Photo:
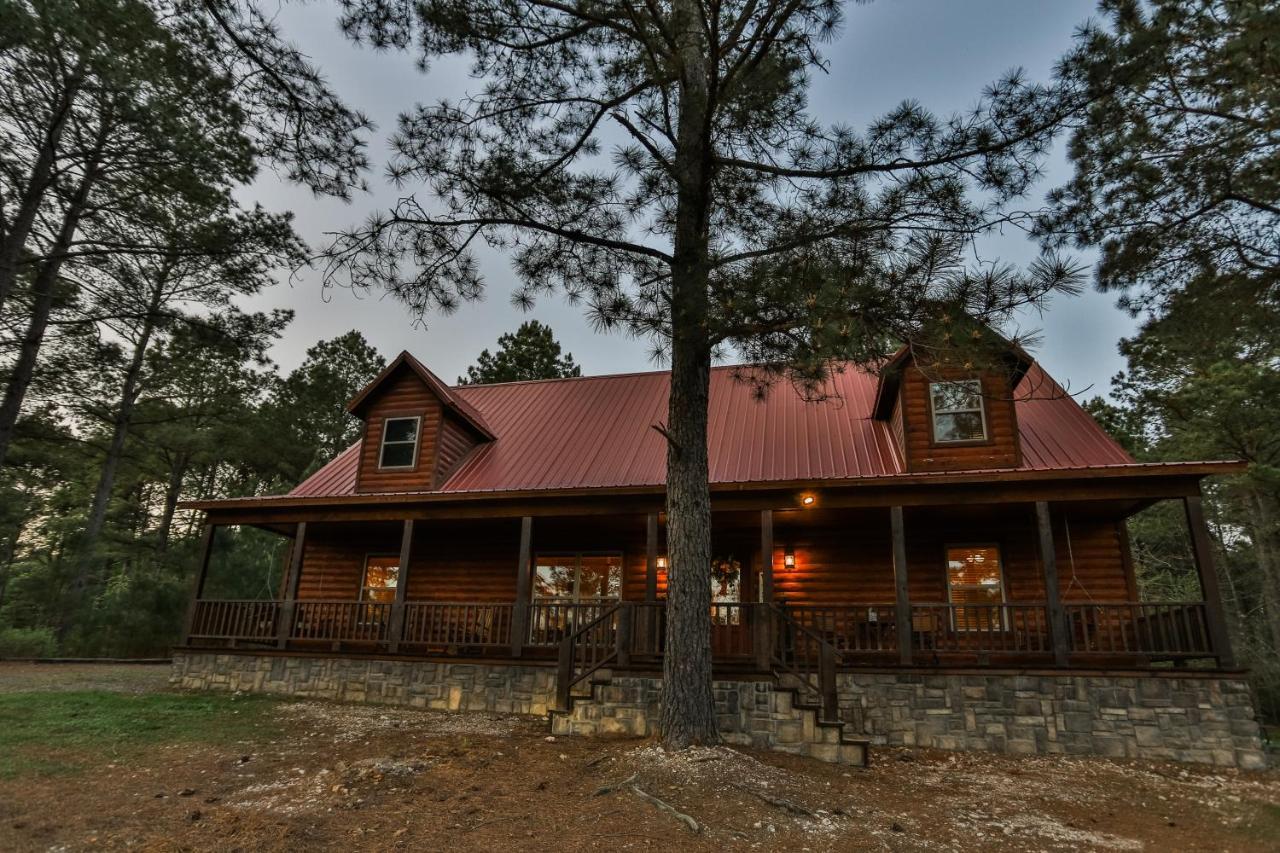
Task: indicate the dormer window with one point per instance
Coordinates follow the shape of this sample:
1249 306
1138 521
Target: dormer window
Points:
957 411
399 443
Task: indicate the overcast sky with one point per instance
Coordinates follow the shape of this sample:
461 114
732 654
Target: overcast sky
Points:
938 52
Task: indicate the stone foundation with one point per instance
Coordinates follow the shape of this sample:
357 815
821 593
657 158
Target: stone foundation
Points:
1205 719
1202 719
748 713
501 688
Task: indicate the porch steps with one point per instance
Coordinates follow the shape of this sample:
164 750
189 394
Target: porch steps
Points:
763 714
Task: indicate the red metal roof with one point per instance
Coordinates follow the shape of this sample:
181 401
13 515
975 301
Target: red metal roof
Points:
596 432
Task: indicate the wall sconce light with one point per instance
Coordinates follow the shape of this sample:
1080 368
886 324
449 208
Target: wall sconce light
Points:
808 500
662 562
789 558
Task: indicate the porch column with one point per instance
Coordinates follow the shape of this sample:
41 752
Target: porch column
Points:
1052 594
396 629
651 557
287 607
520 614
766 554
1202 549
901 592
197 583
764 627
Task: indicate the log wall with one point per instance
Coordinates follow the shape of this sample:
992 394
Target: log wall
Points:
841 557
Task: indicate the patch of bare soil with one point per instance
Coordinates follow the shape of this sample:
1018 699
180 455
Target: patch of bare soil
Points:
356 777
18 677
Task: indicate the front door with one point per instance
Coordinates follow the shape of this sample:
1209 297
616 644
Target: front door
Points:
730 619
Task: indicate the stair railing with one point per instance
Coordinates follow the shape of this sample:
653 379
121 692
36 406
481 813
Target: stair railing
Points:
589 649
804 654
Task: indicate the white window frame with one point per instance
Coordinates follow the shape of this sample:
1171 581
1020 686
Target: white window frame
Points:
382 445
981 410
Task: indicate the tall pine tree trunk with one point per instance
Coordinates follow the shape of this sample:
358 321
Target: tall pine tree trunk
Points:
687 713
172 491
88 545
1266 536
43 289
39 180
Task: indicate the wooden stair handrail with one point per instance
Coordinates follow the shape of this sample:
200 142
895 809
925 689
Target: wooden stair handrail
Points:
825 673
568 673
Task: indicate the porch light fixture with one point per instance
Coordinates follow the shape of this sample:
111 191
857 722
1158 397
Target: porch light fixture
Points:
789 558
808 500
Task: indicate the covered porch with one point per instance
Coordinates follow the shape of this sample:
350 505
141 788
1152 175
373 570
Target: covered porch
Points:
811 582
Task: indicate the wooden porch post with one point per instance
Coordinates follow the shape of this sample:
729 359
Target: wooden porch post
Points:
651 557
291 581
396 629
197 583
1052 593
902 595
1202 549
764 624
766 554
520 614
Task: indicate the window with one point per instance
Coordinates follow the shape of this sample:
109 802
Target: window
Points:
577 578
399 443
975 582
381 574
957 411
570 590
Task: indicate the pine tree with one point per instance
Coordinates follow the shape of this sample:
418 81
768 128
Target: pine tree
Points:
1177 160
726 218
531 352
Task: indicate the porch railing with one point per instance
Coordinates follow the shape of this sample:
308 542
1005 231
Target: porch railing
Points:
341 621
1173 630
1118 632
851 628
982 629
445 624
247 621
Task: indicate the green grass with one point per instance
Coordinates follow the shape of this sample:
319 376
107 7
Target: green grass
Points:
46 733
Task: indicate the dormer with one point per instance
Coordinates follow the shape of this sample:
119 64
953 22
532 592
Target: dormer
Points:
416 429
952 412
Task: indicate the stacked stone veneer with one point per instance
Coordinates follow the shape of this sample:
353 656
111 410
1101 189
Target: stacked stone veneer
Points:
1203 719
749 713
1206 719
509 689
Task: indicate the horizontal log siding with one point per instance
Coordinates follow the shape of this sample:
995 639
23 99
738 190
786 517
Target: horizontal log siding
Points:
403 395
838 563
333 562
999 451
468 561
854 564
454 443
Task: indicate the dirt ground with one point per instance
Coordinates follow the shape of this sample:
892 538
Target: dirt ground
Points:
343 777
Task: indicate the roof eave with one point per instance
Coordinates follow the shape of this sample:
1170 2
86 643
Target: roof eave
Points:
1139 470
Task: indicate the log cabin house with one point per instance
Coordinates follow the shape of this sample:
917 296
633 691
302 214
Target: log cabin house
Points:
927 556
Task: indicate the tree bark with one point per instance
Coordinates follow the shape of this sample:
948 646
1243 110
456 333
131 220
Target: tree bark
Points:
121 419
687 713
43 290
39 180
172 491
88 546
1265 535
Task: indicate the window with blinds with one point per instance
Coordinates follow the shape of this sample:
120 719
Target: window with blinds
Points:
975 583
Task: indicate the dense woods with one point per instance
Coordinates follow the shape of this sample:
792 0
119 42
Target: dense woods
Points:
132 379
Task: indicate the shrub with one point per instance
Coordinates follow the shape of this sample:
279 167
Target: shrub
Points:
27 643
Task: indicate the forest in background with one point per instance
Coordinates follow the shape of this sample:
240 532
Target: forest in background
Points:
131 380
